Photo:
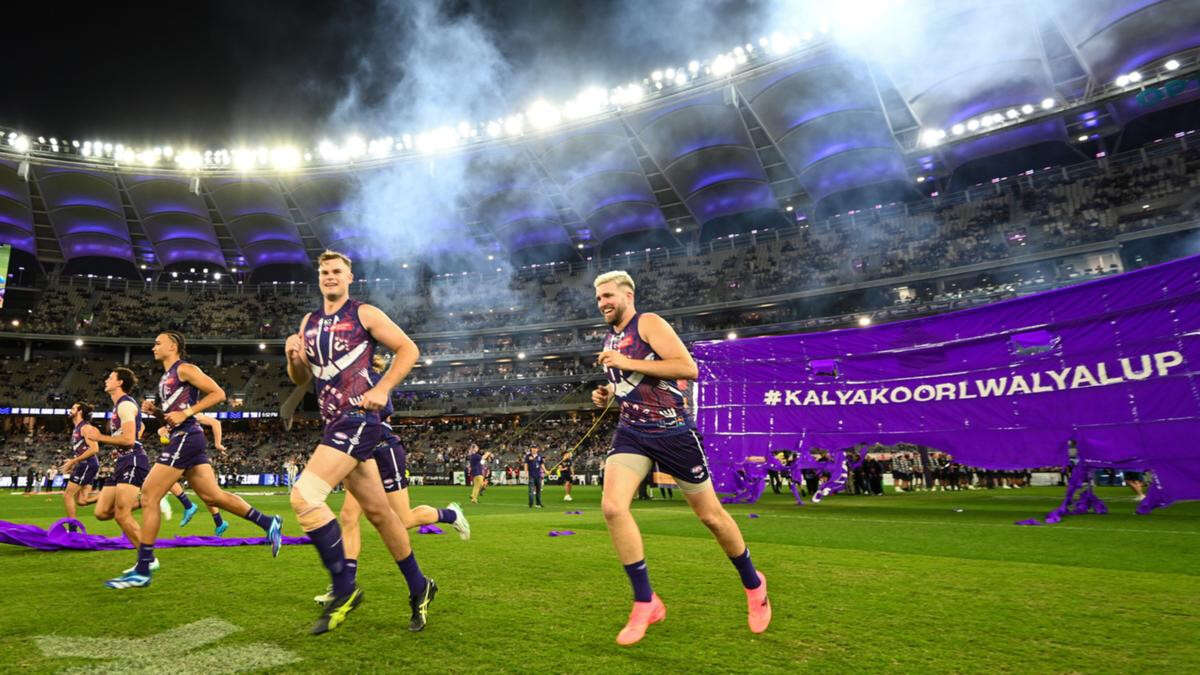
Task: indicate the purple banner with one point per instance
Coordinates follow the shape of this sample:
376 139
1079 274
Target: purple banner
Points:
1113 364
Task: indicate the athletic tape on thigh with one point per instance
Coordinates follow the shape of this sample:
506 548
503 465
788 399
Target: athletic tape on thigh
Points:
639 464
692 488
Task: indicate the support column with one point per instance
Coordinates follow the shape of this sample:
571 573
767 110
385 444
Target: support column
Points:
126 354
28 346
219 352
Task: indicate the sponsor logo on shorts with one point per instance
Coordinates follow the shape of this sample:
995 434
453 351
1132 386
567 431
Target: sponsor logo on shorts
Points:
340 436
698 470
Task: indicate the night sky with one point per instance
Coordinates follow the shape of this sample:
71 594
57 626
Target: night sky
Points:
218 73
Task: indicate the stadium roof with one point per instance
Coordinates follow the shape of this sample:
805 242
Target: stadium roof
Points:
822 123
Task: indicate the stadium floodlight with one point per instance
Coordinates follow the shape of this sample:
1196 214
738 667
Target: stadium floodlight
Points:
494 129
78 342
217 276
864 321
669 73
678 230
763 42
1171 65
681 79
958 129
262 346
20 143
42 140
1027 109
514 125
355 146
1047 103
986 120
542 115
1122 81
285 158
731 335
428 362
108 147
930 137
53 141
16 322
722 65
329 151
1135 76
579 246
243 159
74 144
1082 138
790 208
656 76
521 355
694 67
167 152
1012 114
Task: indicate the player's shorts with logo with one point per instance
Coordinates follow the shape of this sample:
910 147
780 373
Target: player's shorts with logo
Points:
392 461
131 469
355 433
679 454
84 473
185 448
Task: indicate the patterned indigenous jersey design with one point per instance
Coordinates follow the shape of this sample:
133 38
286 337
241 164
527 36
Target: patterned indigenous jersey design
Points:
78 444
175 395
648 404
114 427
339 353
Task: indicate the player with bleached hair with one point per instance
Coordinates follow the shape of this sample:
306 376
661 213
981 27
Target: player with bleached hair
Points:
648 370
333 350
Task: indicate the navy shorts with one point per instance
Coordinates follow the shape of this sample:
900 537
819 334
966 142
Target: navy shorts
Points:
356 433
185 448
565 477
679 454
131 469
85 472
392 461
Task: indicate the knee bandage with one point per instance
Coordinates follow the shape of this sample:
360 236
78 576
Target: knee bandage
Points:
308 499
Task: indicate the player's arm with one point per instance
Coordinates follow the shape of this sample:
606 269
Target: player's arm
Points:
211 394
214 424
603 394
297 363
93 449
674 362
387 333
127 412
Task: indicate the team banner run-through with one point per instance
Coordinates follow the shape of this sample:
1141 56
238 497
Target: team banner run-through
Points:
1113 364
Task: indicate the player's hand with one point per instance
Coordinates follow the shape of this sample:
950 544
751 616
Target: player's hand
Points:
220 447
294 348
66 466
601 396
148 406
175 418
375 398
90 433
611 358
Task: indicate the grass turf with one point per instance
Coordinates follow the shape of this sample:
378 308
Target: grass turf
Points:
902 582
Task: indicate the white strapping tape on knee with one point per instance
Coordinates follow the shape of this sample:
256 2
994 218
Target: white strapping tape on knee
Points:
313 490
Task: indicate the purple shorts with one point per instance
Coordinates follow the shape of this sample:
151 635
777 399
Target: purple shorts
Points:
679 454
85 472
131 469
185 448
392 461
355 433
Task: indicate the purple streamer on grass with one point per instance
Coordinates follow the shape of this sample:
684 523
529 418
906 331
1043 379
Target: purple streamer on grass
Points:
561 533
57 538
429 529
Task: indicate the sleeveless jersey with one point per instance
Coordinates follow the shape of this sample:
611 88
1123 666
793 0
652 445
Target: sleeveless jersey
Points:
79 445
114 427
648 404
175 395
339 353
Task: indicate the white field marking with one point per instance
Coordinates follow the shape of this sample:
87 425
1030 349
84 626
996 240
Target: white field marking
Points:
169 651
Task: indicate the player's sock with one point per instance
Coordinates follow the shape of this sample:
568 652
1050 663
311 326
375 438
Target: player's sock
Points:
256 517
639 577
328 540
72 527
446 516
352 569
412 575
217 519
144 558
746 569
183 499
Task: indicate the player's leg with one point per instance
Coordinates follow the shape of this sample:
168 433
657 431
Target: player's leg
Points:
189 508
106 503
623 473
567 489
538 490
70 499
327 467
158 482
124 500
476 486
349 518
367 487
204 481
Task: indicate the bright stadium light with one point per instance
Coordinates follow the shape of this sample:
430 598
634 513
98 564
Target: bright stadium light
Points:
722 65
1082 138
21 143
678 230
355 146
681 79
243 159
931 137
1122 81
1047 103
864 321
656 76
521 355
1027 109
189 159
78 342
262 346
330 152
1135 76
958 129
1171 65
217 276
694 67
494 129
542 115
731 335
428 362
1012 114
514 125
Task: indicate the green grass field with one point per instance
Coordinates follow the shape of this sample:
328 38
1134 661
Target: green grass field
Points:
902 582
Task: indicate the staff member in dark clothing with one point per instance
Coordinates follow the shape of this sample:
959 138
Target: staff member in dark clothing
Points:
535 464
